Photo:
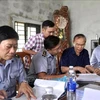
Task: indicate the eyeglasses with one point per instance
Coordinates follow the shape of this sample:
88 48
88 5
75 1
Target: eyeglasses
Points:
82 45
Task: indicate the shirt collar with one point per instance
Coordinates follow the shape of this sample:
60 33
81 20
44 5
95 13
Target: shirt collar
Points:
48 55
9 61
73 51
41 35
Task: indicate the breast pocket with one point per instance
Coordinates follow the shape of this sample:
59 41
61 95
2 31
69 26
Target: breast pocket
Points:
13 78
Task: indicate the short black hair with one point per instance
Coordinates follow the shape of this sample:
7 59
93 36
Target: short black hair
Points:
51 42
7 32
79 36
47 23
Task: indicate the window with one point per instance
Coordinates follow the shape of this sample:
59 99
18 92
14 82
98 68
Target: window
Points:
25 30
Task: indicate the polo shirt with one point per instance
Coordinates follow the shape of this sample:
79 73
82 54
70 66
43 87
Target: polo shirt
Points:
69 58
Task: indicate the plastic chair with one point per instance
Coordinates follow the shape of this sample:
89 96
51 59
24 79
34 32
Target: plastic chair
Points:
23 55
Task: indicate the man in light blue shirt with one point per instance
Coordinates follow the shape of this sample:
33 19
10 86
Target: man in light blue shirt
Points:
95 58
44 62
11 67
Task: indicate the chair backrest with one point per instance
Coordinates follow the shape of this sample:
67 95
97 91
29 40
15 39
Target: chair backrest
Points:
23 55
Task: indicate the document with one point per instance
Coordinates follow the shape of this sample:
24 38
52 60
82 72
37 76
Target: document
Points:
91 94
88 77
59 85
40 88
80 91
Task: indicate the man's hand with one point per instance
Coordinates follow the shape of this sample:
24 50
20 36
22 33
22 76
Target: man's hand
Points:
27 90
93 70
97 71
3 95
90 68
82 70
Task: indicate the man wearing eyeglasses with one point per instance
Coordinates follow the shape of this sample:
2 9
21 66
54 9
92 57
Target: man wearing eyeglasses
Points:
76 56
43 64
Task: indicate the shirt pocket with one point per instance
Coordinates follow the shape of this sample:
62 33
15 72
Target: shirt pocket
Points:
14 78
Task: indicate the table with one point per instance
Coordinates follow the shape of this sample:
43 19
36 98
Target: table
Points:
39 92
81 84
62 97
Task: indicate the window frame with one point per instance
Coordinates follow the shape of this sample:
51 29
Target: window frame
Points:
26 21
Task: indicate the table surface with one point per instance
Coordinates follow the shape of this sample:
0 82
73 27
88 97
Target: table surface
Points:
63 96
81 83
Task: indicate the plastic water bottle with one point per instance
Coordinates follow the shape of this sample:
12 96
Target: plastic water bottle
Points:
71 84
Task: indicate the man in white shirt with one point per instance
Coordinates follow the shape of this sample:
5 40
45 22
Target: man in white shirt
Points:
95 58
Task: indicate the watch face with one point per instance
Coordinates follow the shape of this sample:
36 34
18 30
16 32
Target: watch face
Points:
61 22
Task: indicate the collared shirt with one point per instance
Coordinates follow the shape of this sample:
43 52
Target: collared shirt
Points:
42 62
95 58
69 58
35 43
10 73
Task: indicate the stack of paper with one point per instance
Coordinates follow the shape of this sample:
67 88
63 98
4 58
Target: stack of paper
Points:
58 86
91 94
39 88
88 77
85 91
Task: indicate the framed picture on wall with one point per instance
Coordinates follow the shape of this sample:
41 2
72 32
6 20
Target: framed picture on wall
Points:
94 44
